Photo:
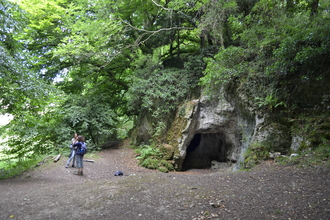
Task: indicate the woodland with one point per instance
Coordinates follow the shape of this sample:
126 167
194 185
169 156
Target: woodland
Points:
96 66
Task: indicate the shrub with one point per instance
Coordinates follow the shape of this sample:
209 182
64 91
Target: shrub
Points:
256 153
150 157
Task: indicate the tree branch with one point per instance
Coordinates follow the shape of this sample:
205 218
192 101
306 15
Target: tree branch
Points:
167 9
152 33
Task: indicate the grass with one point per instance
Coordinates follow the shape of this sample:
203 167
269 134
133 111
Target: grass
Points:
5 160
306 159
14 167
11 166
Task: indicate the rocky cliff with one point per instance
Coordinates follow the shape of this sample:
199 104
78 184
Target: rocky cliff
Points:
218 132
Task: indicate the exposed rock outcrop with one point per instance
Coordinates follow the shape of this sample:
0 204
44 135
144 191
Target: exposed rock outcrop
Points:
212 132
217 130
206 130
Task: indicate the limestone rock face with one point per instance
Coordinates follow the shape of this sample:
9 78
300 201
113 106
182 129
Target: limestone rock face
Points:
275 136
212 133
221 130
143 132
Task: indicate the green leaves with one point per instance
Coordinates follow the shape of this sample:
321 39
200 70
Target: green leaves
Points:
37 130
146 151
270 101
276 51
43 32
226 65
19 88
150 54
159 90
91 117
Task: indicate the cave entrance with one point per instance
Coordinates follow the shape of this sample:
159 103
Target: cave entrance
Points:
204 148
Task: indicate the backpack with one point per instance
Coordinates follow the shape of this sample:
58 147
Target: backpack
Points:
119 173
82 150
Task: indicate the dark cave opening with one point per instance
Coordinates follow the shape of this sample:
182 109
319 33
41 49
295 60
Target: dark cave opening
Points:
203 149
194 143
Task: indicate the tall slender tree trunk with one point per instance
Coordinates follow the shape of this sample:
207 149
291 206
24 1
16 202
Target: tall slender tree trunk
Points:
289 6
314 7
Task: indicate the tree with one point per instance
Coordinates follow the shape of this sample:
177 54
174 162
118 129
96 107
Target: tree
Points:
23 93
213 24
281 53
18 84
10 54
44 32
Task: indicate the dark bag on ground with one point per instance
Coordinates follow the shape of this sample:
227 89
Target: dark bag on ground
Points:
119 173
81 150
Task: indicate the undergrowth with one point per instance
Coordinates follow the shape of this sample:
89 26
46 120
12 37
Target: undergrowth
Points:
313 150
151 157
10 168
256 153
315 147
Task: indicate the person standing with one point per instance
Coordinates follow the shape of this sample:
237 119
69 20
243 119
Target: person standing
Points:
80 146
72 153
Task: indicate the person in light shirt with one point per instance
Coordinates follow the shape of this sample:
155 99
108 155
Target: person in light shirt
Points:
72 153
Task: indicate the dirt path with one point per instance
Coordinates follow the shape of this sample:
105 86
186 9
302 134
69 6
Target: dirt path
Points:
51 191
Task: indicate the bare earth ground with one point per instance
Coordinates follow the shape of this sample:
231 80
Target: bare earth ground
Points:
268 191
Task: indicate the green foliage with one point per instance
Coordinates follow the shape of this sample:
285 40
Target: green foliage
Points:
322 152
228 64
165 166
270 101
151 157
12 21
36 131
255 154
43 33
275 52
299 49
81 50
12 168
150 163
214 21
86 44
146 151
124 125
119 59
158 90
314 148
308 158
92 118
35 128
17 84
315 130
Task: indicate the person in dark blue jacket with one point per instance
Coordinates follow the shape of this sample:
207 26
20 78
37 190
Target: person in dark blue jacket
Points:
80 157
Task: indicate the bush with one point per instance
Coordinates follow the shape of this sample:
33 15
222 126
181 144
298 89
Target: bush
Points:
146 151
256 153
150 157
14 167
151 163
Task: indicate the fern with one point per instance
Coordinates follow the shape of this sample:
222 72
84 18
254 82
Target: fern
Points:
147 151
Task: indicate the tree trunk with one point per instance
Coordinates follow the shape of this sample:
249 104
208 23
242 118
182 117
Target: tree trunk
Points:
289 6
315 6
